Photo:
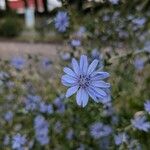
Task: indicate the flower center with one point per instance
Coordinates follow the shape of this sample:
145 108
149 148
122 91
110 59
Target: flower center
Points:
83 81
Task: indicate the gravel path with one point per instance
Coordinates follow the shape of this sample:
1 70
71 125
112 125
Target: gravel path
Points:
10 49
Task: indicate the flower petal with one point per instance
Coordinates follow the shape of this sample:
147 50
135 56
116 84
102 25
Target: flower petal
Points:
92 66
75 66
92 95
65 83
82 97
100 92
71 91
69 72
100 84
68 79
99 75
83 64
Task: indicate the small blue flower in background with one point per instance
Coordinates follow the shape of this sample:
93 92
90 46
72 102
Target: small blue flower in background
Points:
3 75
61 21
41 127
70 134
81 31
43 107
147 106
32 102
59 104
75 43
140 123
9 116
121 138
18 62
50 109
58 127
65 56
147 46
108 109
46 63
98 130
18 141
97 55
114 1
81 147
86 81
46 108
104 143
6 140
139 21
139 63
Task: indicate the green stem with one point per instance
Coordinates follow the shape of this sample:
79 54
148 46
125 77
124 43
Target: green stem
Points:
125 55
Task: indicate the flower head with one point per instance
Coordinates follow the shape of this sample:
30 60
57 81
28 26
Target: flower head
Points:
140 123
147 106
86 81
46 63
81 31
114 1
46 108
59 104
75 43
61 21
98 130
121 138
8 116
139 21
18 62
139 63
70 134
41 130
32 102
58 127
18 141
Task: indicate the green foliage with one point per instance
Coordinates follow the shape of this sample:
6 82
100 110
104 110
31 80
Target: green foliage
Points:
10 27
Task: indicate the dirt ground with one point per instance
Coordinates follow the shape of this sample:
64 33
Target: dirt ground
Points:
10 49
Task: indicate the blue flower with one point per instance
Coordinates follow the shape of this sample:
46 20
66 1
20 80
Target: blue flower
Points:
121 138
70 134
58 102
147 106
8 116
58 127
43 107
139 63
50 109
18 141
140 123
32 102
75 43
81 31
46 63
41 130
84 80
18 62
46 108
139 21
147 46
65 56
98 130
61 21
114 1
